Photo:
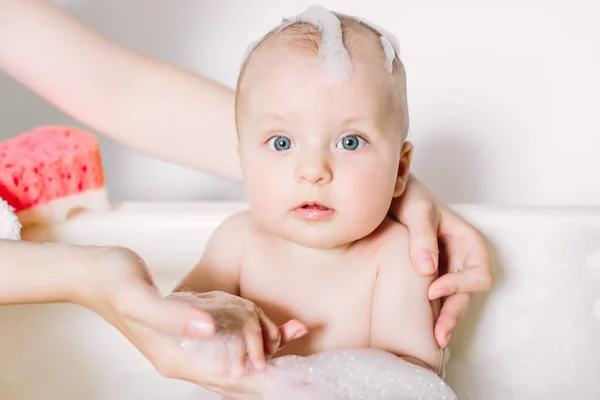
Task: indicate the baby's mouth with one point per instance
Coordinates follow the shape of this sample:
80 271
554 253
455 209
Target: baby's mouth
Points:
312 206
311 211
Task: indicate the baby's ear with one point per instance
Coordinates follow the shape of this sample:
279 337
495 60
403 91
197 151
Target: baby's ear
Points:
403 168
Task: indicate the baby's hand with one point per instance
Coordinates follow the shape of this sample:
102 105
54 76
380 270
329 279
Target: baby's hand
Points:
244 336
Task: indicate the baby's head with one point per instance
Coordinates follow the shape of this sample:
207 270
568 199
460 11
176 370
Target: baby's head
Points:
322 138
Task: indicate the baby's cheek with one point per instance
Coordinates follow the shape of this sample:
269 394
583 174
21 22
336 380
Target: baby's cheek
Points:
267 191
369 188
364 199
260 179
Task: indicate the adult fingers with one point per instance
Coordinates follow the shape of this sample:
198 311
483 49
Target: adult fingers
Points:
468 280
422 220
453 309
466 247
236 349
144 304
254 343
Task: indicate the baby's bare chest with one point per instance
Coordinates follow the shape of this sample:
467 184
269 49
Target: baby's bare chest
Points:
333 299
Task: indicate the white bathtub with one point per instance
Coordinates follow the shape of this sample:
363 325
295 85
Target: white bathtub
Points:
535 336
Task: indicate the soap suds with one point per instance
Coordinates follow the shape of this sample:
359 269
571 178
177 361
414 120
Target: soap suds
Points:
10 227
383 32
353 374
390 54
331 49
391 46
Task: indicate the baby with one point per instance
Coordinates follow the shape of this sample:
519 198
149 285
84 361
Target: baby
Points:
322 121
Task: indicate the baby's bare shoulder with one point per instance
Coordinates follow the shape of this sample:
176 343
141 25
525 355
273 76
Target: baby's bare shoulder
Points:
219 266
240 219
237 225
390 241
391 244
230 237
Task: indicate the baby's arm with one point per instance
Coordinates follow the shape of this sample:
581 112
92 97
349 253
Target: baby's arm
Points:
140 102
220 264
214 284
403 317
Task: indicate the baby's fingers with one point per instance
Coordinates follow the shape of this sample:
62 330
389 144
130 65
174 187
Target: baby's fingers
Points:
271 336
253 335
291 330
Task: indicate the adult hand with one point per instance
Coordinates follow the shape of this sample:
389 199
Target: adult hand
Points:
245 337
464 253
120 289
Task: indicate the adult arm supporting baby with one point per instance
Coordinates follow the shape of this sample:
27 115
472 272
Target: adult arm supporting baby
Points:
111 281
465 249
36 273
114 283
142 103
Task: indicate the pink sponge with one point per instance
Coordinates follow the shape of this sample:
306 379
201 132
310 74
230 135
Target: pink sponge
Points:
50 171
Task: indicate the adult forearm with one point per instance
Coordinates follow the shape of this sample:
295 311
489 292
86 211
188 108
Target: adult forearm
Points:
43 273
142 103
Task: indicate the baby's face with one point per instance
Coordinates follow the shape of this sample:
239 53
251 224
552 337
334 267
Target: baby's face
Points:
321 160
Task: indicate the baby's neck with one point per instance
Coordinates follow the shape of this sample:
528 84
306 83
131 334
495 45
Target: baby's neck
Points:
299 251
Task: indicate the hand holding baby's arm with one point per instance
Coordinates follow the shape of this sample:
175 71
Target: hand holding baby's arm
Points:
465 249
243 333
402 316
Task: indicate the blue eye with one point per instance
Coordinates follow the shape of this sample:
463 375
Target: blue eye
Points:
351 142
280 143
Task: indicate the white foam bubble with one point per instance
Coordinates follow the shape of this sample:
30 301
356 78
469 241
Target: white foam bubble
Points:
391 46
331 49
389 52
353 374
383 32
10 227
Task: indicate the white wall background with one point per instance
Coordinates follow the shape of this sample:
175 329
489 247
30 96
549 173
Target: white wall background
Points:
503 96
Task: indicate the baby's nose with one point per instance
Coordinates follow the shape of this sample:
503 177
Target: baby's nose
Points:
314 171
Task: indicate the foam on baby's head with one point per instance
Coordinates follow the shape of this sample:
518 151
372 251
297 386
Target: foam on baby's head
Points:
340 41
331 47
